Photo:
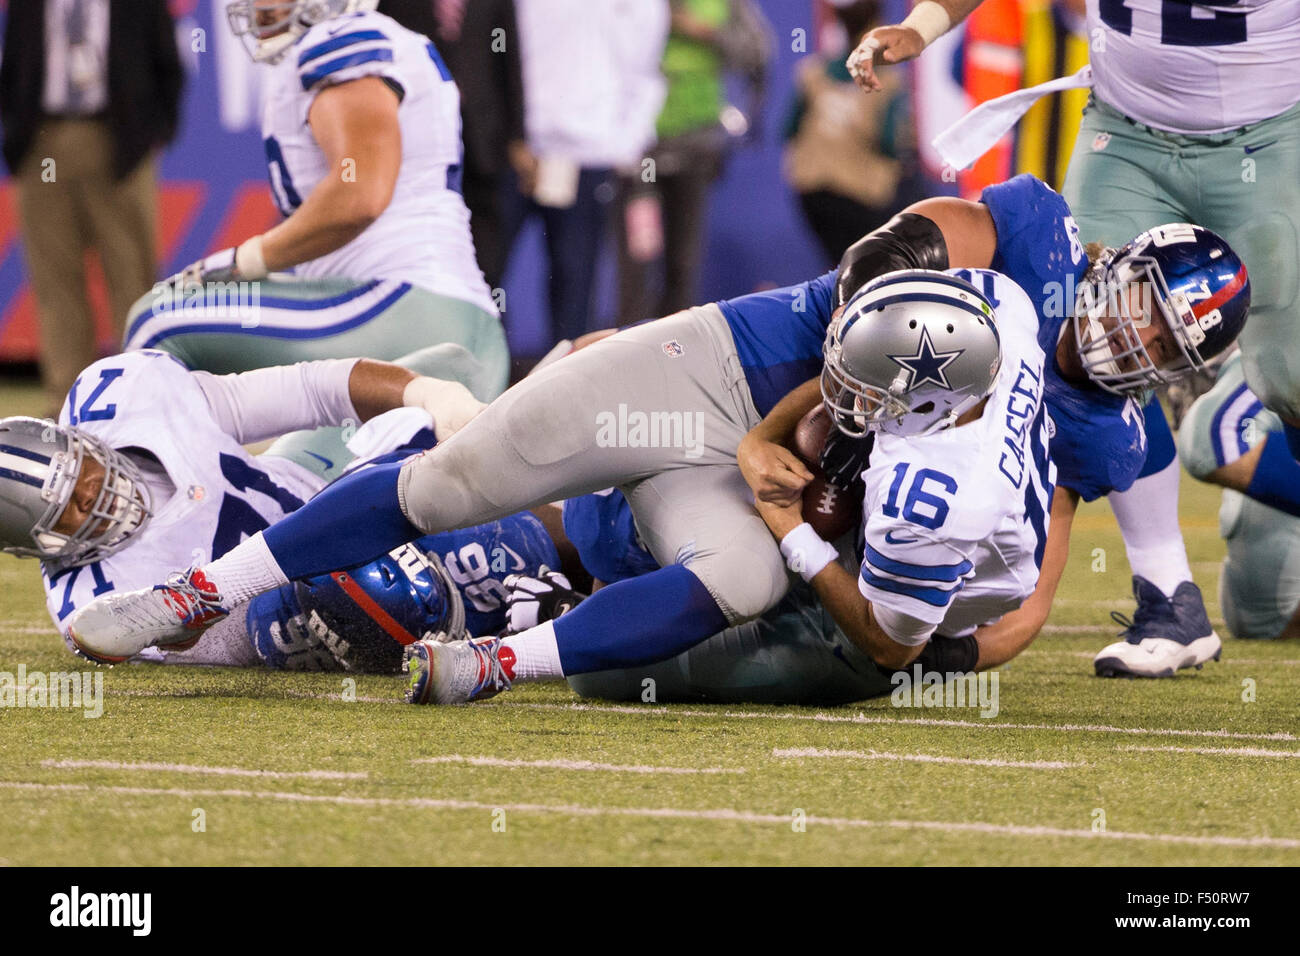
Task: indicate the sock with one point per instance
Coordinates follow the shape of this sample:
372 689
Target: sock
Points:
1292 439
532 654
245 571
1276 481
354 520
638 621
1148 519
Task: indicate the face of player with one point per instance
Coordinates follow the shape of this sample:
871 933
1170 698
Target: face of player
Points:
270 17
89 484
1124 335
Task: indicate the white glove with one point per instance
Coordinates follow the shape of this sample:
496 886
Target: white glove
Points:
242 263
531 601
450 403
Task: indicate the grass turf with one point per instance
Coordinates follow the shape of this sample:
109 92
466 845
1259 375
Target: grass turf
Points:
1160 806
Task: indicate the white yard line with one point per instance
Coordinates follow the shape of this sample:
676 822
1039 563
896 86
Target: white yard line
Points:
573 765
202 768
924 758
1220 751
656 710
726 814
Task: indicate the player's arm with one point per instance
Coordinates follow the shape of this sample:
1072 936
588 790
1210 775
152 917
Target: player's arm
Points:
355 124
264 403
939 233
1003 640
773 471
928 20
838 591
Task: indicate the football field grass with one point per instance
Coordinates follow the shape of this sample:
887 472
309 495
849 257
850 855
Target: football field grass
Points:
220 766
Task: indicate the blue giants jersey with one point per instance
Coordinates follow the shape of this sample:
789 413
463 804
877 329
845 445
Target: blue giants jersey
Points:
779 336
1098 440
479 558
601 527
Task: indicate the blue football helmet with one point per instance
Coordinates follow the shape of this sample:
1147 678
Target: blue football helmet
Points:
1178 274
373 611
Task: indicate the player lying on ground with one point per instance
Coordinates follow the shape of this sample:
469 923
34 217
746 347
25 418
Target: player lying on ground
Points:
1228 438
146 468
361 123
669 402
1158 142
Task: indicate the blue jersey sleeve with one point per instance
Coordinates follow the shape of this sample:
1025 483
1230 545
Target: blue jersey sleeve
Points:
602 529
1098 440
1038 248
779 335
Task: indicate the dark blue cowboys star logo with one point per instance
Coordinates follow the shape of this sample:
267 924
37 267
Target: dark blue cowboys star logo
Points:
927 365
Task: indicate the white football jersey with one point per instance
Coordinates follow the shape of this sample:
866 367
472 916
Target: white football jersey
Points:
208 493
954 523
423 237
1195 67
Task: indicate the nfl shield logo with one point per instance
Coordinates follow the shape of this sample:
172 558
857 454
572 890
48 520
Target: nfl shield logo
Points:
673 348
1100 142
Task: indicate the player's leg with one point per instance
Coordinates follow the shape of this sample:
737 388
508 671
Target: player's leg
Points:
234 327
1251 187
1122 180
790 655
1259 587
325 451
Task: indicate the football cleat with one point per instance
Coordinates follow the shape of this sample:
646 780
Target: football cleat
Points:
174 615
454 673
1165 635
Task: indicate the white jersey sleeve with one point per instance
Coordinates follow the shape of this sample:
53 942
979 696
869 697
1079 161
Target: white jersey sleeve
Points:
268 402
343 49
911 573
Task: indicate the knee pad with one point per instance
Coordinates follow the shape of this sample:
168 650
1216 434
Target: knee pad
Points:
744 587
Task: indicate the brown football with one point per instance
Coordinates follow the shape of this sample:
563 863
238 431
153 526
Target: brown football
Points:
830 511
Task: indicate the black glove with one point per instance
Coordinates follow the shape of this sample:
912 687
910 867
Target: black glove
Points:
531 601
844 459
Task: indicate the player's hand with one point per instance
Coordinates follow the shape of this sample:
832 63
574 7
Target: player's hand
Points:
882 45
844 459
242 263
780 519
774 473
451 404
531 601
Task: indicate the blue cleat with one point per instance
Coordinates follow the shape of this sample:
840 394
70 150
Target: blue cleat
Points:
1165 635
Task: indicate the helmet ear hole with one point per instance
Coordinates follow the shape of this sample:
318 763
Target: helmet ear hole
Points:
924 408
912 325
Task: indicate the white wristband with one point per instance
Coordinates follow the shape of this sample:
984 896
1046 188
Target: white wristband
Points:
248 259
806 553
929 19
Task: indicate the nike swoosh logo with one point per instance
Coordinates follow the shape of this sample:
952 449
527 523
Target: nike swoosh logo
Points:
520 564
322 459
890 539
1256 149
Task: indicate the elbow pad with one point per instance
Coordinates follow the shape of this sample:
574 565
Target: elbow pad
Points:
907 241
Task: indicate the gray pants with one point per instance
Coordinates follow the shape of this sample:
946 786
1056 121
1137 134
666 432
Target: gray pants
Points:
657 410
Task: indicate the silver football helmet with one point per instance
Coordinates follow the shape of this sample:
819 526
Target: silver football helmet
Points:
911 352
267 28
40 463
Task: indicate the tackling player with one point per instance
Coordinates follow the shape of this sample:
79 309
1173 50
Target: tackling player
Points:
361 124
1194 115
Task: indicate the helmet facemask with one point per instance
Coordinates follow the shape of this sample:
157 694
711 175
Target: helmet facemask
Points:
269 29
1121 298
120 510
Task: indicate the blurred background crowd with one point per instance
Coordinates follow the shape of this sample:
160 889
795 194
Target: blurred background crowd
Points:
623 158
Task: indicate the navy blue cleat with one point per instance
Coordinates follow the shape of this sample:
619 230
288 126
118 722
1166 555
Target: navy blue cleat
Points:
1165 635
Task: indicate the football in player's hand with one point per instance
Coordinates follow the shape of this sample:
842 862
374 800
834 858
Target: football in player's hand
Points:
830 510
